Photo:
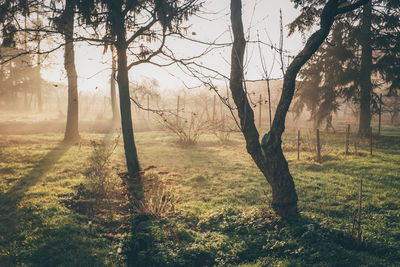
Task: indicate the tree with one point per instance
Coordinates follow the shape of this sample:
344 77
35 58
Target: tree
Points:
268 154
365 71
17 76
370 37
392 106
324 77
127 22
62 23
10 13
113 92
65 25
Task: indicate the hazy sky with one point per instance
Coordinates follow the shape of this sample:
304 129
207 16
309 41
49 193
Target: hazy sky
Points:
260 17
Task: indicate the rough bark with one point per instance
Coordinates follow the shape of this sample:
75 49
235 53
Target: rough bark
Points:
114 105
268 155
71 130
274 167
365 72
132 161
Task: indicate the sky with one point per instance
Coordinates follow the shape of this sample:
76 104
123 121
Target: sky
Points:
260 17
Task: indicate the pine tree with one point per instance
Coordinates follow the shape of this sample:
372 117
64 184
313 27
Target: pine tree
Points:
371 38
131 25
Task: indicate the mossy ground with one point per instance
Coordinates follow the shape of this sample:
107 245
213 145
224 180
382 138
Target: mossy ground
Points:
222 216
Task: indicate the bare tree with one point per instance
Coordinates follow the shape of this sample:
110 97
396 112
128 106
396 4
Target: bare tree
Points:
268 154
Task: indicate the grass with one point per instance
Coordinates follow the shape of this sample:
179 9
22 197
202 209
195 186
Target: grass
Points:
220 187
36 229
222 215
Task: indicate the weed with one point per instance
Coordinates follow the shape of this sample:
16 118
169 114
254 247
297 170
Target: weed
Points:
100 177
188 129
157 198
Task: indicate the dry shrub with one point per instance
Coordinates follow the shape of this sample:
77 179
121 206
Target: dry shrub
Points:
157 198
188 127
223 128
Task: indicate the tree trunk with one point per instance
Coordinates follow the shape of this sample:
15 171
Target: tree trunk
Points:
114 105
132 161
268 155
365 72
39 86
395 115
274 167
71 131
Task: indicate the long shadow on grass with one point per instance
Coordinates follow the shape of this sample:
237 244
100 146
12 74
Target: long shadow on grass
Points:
229 237
11 215
331 247
13 196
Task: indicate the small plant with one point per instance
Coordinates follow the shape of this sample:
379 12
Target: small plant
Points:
101 191
156 199
99 173
223 128
188 127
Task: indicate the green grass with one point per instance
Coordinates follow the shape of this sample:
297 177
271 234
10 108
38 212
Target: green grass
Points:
222 216
221 179
36 229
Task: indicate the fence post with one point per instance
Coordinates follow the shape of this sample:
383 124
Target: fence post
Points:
359 233
356 145
222 112
213 115
148 107
298 144
259 113
318 148
177 111
347 138
380 114
370 141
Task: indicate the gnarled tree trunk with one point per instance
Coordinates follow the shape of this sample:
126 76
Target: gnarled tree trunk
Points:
268 155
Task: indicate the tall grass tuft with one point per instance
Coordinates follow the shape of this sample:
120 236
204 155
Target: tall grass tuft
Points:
157 199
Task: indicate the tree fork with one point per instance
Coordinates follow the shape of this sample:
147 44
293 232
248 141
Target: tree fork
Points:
274 167
268 155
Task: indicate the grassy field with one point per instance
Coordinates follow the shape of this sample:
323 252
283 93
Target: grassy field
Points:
216 210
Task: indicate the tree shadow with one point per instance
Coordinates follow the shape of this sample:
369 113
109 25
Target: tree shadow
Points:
326 246
15 194
11 214
232 238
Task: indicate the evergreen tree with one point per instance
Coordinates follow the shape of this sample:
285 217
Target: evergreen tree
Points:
370 42
324 77
131 26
